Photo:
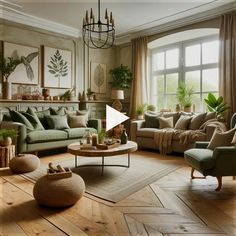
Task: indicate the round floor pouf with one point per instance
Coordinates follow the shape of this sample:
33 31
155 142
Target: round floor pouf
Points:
24 163
59 192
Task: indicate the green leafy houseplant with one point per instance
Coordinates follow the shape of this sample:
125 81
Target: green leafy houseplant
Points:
102 135
7 66
151 108
141 110
216 105
67 95
185 95
122 77
6 136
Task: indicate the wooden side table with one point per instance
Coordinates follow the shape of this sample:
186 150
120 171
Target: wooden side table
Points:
6 154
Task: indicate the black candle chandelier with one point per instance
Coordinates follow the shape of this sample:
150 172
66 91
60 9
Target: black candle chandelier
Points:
98 34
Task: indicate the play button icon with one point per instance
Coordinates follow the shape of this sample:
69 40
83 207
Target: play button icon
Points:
114 117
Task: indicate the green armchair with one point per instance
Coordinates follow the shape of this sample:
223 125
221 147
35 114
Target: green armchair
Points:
218 162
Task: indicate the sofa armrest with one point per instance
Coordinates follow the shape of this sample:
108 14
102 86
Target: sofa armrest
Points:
201 144
95 123
225 161
135 126
20 140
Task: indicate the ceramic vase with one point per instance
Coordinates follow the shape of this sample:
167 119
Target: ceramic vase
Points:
124 137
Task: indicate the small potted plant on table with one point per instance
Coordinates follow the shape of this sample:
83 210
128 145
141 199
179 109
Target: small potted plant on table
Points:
6 136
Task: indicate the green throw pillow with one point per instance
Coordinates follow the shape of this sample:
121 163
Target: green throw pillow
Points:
151 120
33 118
42 117
57 122
18 117
61 111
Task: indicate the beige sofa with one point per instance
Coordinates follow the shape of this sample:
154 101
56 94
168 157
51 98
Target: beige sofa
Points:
144 135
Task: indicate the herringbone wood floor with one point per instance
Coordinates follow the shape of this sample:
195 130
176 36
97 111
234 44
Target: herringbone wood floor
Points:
170 206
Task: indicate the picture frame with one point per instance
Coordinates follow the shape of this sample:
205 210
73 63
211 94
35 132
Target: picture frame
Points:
57 68
98 77
26 72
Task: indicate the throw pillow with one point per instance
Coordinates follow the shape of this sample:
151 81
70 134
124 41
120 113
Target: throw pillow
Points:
38 125
221 139
82 113
33 121
197 121
183 122
175 116
165 122
151 120
60 111
42 117
209 116
18 117
57 122
77 121
234 139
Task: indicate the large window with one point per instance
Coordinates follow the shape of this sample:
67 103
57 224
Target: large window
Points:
195 62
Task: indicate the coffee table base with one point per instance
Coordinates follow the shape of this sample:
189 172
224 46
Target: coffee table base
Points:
102 165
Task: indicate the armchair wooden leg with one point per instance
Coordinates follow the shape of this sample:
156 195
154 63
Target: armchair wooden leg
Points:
234 177
219 179
195 177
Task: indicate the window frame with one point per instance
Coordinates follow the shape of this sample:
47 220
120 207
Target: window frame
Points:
182 69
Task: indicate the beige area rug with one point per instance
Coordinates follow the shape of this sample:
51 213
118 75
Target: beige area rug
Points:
117 183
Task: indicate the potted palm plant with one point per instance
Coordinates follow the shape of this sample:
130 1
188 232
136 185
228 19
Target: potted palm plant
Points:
216 105
185 96
7 66
6 136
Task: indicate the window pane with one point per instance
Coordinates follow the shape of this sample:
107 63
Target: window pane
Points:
172 58
160 83
210 80
192 55
210 52
172 82
192 79
158 61
171 102
197 102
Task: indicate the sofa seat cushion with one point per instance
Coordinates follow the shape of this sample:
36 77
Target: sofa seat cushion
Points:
46 136
146 132
200 159
202 137
78 132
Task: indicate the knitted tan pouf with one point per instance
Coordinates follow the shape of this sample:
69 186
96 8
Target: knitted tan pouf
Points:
24 163
59 192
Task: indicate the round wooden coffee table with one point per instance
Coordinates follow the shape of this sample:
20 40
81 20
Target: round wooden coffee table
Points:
127 148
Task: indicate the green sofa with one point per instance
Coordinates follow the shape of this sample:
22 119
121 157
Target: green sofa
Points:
38 140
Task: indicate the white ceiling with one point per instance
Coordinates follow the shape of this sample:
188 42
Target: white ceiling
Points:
130 16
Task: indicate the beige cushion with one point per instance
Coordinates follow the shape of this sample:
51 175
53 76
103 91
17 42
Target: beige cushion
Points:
146 132
234 139
183 122
77 121
59 192
197 121
175 116
209 116
166 122
221 139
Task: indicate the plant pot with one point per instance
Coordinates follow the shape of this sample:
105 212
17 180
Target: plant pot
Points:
140 117
6 142
187 109
6 90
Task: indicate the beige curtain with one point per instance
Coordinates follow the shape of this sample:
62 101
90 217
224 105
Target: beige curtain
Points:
227 61
139 92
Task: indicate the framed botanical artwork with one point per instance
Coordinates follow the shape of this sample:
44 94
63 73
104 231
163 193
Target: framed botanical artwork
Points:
98 77
27 72
57 68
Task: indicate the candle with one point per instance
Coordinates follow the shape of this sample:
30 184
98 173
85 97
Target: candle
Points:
94 139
